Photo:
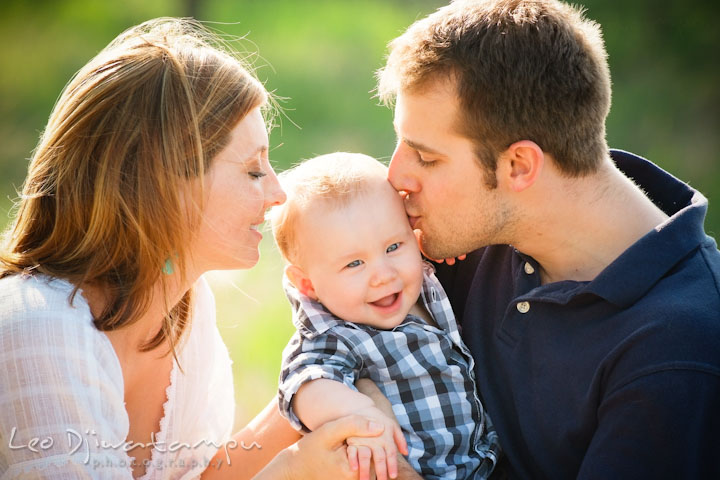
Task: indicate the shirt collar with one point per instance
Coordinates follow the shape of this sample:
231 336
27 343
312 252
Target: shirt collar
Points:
636 270
309 316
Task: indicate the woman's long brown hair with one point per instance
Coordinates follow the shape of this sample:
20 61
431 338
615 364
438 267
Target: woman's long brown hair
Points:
106 198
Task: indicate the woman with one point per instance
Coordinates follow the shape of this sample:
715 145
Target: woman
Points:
152 170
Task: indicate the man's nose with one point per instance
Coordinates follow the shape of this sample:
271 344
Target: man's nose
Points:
400 171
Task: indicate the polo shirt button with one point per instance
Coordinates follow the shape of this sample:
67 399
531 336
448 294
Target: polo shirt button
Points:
529 268
523 307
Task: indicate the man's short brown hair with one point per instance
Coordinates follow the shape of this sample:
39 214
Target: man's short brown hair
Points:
522 69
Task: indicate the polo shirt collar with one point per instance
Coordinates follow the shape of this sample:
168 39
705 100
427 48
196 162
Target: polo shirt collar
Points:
642 265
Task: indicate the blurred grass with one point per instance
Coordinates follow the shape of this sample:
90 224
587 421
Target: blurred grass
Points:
254 319
321 55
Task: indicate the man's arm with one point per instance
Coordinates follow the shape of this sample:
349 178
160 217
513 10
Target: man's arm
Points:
662 425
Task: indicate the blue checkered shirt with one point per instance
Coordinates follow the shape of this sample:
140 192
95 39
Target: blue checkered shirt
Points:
425 372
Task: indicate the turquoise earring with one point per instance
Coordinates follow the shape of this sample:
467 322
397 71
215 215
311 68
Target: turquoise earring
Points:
168 269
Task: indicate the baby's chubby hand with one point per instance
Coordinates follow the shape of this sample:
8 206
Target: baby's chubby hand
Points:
383 449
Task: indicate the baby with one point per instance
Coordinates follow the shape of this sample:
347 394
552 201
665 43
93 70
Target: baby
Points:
365 305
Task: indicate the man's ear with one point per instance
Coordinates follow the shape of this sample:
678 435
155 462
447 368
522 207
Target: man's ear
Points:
302 282
524 160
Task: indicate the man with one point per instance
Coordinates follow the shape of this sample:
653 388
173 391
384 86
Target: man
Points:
590 297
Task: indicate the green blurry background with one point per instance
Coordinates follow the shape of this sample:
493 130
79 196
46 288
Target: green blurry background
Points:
320 56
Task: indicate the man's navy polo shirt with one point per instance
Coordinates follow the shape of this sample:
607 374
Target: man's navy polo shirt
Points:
614 378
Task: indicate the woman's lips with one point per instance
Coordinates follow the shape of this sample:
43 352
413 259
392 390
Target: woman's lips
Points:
413 221
256 224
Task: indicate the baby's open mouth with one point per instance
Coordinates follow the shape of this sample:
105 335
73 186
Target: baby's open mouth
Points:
386 301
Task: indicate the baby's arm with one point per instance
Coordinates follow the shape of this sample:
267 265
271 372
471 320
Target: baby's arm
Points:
317 383
322 400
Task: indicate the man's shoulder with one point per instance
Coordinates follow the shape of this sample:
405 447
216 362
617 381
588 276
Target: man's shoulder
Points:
710 257
676 324
690 289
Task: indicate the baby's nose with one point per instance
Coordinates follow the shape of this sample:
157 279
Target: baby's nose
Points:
383 273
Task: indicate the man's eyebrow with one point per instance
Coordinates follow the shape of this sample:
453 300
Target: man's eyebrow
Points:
414 145
419 146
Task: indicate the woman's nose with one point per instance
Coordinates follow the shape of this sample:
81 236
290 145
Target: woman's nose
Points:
274 195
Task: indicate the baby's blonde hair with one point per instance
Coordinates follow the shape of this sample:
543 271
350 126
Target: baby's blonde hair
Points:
334 179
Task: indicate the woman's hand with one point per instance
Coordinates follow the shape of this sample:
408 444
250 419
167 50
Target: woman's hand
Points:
383 449
358 452
321 454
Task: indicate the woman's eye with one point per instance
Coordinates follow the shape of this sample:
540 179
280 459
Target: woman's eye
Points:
354 263
393 247
257 174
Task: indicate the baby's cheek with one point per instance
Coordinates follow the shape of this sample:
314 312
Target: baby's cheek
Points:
417 268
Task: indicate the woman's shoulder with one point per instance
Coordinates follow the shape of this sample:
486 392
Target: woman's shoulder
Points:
41 313
37 302
24 295
59 375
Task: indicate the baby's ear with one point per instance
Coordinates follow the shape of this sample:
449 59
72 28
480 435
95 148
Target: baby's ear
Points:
302 282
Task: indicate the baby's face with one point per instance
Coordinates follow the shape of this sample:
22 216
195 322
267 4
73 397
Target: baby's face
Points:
363 259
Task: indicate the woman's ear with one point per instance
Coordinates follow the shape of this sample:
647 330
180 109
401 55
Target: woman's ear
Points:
524 161
302 282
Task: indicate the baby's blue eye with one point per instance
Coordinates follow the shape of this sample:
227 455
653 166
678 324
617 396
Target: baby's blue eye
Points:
354 263
392 247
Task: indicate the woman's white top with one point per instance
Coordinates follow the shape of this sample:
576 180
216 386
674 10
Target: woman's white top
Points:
62 413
